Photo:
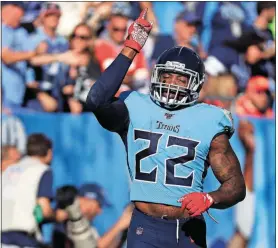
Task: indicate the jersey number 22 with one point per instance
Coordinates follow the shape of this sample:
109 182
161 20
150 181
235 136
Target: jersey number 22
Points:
170 163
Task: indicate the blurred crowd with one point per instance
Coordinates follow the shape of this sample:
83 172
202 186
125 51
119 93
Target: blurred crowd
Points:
53 52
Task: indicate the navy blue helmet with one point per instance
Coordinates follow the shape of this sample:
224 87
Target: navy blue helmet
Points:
183 61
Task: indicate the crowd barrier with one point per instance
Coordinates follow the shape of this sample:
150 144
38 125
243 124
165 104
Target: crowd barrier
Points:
85 152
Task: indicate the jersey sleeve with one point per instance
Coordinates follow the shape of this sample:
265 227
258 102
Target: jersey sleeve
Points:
226 123
113 116
111 112
45 186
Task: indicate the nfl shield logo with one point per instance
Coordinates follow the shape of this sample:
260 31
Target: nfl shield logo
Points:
139 230
168 115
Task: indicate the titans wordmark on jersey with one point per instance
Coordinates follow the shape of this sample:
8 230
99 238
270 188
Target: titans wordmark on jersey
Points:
167 150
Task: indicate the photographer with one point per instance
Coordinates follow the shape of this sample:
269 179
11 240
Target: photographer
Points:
80 207
27 194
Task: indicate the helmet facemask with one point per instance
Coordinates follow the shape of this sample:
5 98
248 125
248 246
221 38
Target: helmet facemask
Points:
173 96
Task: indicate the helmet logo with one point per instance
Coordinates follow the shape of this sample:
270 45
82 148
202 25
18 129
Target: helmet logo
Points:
175 64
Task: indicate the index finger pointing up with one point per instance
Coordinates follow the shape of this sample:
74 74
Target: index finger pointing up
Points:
143 13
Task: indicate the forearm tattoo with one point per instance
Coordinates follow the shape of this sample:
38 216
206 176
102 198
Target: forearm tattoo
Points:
226 168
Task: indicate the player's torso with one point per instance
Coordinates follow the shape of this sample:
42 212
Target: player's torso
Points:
167 150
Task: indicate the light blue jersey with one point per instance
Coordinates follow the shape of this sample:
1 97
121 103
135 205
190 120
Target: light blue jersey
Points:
167 150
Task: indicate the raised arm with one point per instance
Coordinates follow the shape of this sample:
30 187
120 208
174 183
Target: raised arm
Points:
103 91
226 168
111 112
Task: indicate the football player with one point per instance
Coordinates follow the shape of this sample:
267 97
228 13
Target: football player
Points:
170 141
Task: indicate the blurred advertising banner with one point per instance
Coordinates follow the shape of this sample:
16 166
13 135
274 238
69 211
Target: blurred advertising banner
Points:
85 152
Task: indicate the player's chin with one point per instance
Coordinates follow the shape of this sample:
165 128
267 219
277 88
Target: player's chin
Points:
173 96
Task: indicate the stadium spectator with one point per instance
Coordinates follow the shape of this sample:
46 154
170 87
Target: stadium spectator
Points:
226 22
250 8
190 6
266 12
219 91
221 21
31 19
266 67
31 22
272 26
10 155
185 34
236 57
26 195
256 101
81 206
165 13
50 14
96 14
16 50
111 43
186 30
245 210
72 15
249 55
13 132
44 92
82 75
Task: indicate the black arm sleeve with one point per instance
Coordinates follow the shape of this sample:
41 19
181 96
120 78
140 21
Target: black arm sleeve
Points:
111 112
113 116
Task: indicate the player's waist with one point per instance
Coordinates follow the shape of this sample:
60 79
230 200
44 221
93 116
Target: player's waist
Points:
164 221
161 211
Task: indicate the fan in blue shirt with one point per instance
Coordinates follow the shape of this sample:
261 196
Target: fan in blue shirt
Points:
16 50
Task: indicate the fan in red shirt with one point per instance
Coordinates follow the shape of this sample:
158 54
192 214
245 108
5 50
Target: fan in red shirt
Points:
110 45
257 100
